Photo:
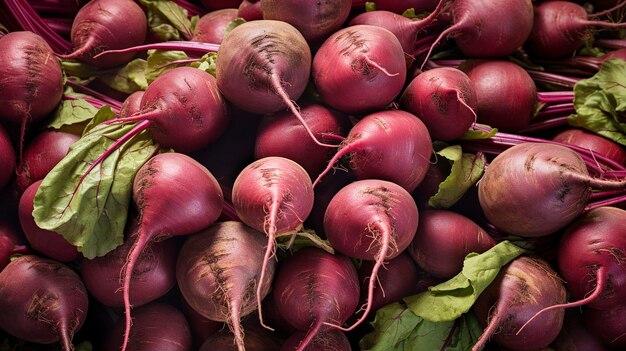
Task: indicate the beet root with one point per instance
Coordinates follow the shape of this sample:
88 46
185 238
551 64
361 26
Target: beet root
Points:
522 288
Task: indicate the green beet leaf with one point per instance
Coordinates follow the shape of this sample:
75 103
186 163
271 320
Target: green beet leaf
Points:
466 170
479 132
393 325
449 300
397 329
90 209
207 63
600 102
129 78
161 61
440 318
168 21
73 109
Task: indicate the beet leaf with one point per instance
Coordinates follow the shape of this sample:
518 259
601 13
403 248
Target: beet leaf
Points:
169 21
438 318
467 168
600 102
89 209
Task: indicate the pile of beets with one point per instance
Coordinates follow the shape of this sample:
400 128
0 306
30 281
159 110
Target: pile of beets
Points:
267 175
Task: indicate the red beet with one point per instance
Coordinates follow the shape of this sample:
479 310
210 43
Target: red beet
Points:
42 301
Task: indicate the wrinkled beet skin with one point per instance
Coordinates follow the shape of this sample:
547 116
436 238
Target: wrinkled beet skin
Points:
41 155
596 239
46 242
521 289
211 26
32 80
156 326
39 297
523 191
153 276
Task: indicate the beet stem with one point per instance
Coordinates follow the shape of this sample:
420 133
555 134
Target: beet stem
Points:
600 279
607 11
107 99
148 116
379 67
187 46
596 183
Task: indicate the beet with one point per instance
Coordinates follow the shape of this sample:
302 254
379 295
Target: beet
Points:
535 189
371 220
32 84
309 298
444 99
451 236
359 69
41 155
156 326
522 287
594 142
214 279
592 258
153 276
314 19
96 28
211 26
46 242
42 301
506 94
